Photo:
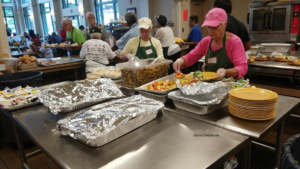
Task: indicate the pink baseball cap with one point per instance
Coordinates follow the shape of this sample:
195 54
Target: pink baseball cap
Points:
214 17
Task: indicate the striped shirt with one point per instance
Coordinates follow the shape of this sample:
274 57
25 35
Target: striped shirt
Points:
102 29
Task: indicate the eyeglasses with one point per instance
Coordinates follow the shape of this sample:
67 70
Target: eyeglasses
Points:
91 18
65 25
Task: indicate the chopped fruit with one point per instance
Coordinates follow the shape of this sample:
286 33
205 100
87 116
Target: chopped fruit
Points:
179 75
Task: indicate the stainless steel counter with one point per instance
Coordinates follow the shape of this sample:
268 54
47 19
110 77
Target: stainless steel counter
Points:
274 64
166 142
254 129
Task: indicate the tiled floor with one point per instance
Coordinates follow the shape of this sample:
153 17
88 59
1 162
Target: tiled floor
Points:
9 159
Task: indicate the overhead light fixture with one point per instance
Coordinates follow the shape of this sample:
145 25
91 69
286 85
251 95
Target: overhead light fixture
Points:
52 13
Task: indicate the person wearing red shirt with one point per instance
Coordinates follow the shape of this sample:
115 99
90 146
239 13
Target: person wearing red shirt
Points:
63 34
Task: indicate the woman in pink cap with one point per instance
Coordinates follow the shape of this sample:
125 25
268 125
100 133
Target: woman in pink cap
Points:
224 51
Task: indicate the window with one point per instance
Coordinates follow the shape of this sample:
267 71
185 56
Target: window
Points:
70 3
9 18
24 1
28 18
46 18
106 11
6 1
75 21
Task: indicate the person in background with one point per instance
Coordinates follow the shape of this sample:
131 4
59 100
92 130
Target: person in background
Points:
27 36
40 49
95 51
63 34
74 35
234 26
81 27
8 30
54 38
223 51
31 34
143 46
92 20
195 36
15 38
165 35
134 31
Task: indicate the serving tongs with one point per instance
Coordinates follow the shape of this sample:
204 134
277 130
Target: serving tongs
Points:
156 59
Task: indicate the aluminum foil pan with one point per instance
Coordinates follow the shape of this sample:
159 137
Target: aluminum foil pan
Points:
79 94
169 77
200 87
103 123
125 90
200 110
161 98
55 85
205 99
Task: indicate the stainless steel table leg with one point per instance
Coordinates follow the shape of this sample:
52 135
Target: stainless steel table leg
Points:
246 156
278 144
20 147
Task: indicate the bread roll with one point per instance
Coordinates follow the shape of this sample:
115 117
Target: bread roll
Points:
27 61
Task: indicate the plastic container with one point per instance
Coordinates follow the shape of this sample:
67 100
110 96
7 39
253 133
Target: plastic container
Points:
291 153
137 73
19 79
11 65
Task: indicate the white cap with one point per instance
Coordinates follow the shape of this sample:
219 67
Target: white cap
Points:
145 23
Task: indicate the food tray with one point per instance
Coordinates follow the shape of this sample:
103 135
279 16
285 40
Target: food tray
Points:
293 63
38 102
55 85
200 110
28 66
161 98
125 90
283 48
79 94
60 60
108 67
140 72
170 77
229 84
103 123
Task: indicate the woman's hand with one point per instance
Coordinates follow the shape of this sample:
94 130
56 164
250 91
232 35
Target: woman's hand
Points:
221 73
177 64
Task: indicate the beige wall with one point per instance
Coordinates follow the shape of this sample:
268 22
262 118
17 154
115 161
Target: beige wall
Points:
3 39
240 9
201 10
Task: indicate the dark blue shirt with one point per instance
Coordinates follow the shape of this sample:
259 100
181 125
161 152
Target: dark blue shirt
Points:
54 39
195 34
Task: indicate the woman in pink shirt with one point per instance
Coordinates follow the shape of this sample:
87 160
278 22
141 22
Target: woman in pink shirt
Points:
224 51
